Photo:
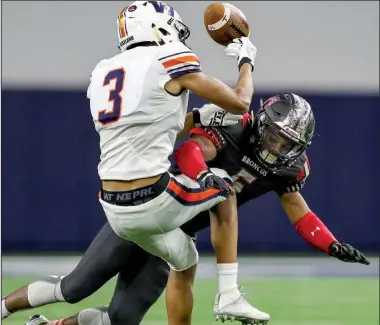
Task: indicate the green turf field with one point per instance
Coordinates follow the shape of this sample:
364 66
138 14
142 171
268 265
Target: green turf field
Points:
290 301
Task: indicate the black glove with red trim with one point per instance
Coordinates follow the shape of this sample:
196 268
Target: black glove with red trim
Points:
207 179
347 253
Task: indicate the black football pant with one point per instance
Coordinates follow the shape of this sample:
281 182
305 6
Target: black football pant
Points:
141 277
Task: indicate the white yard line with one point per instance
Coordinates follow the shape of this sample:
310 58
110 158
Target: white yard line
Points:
249 267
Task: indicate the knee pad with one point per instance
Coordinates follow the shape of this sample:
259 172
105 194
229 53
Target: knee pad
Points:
45 291
94 316
190 259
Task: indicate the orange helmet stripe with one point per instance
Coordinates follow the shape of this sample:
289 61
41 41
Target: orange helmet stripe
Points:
122 24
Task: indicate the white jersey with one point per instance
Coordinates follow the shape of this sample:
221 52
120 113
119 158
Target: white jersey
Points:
136 118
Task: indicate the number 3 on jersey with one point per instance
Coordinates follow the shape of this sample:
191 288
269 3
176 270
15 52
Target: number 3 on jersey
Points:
244 176
117 75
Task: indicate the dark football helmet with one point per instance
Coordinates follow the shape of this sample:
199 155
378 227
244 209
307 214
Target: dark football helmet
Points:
284 128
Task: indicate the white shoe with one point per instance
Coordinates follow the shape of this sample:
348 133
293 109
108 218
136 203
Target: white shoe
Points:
37 320
231 305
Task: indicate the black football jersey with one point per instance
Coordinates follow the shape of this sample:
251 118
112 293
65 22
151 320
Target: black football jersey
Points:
251 179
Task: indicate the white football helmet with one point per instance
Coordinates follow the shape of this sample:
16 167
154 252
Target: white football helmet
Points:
150 21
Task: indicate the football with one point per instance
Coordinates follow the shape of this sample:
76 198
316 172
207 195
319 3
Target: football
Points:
224 22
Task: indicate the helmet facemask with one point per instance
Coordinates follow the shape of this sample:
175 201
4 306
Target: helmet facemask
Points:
279 143
182 29
276 148
172 30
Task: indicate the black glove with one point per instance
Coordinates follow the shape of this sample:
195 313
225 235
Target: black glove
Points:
207 179
347 253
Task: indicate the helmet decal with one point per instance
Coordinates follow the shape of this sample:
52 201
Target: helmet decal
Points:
300 113
161 7
122 24
271 100
132 8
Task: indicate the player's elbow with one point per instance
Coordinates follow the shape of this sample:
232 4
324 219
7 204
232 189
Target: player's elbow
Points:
291 199
244 107
244 102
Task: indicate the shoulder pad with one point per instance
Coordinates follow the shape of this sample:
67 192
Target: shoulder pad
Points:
296 175
177 59
101 64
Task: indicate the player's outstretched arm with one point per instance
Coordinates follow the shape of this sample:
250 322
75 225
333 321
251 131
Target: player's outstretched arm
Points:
314 231
235 101
294 206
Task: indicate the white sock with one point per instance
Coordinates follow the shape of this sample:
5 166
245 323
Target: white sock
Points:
4 311
227 276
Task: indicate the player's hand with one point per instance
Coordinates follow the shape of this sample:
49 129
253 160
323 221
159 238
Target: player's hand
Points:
347 253
243 50
212 115
207 179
